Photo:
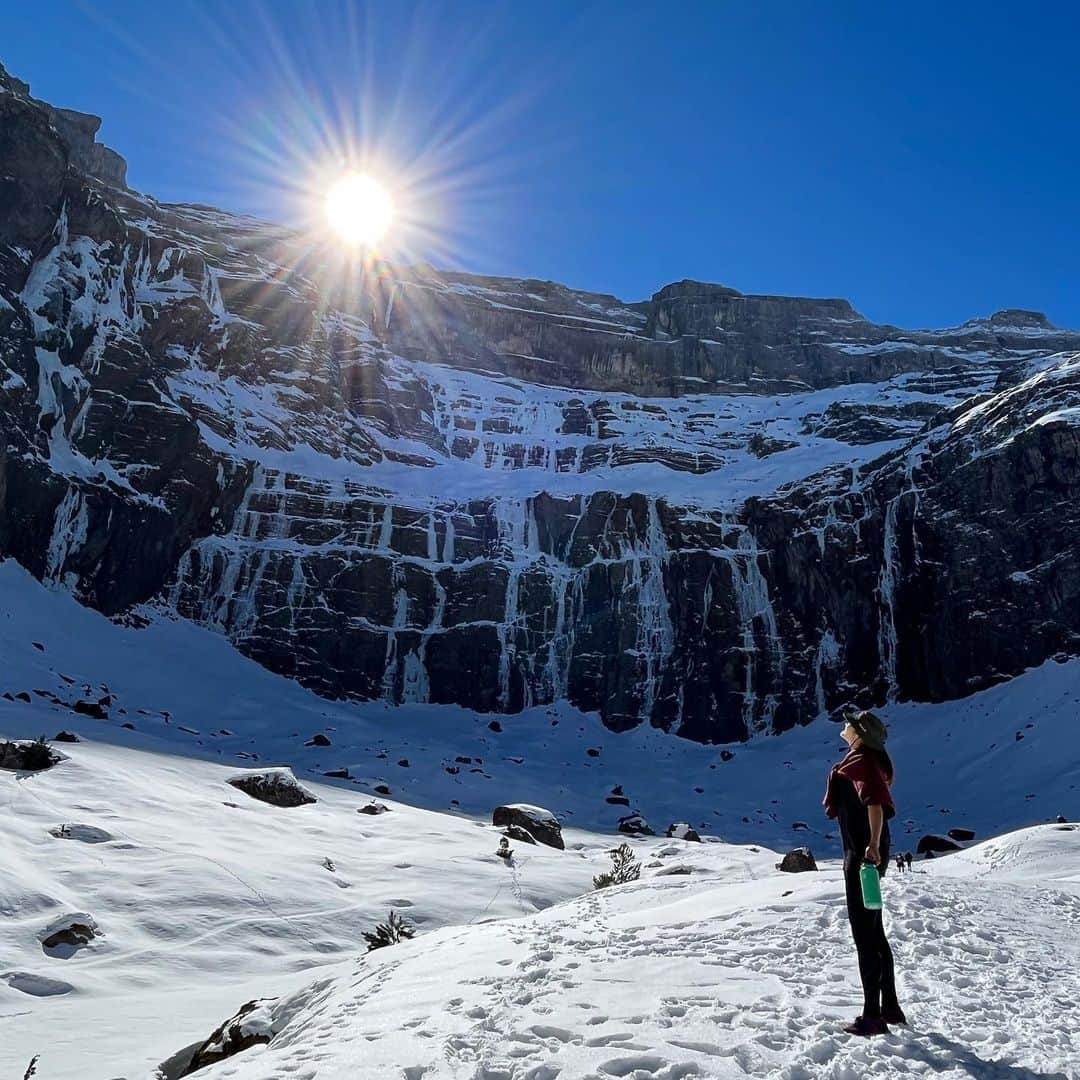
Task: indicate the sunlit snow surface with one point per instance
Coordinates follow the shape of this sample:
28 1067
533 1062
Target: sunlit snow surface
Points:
206 899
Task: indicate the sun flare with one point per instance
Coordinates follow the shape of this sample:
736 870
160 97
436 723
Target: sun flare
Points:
359 209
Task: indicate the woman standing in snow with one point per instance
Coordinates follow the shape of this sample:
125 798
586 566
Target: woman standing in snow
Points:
858 796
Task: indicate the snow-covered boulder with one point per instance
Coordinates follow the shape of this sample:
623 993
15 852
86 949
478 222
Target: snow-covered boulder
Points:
67 933
931 844
252 1025
539 823
635 825
278 787
798 861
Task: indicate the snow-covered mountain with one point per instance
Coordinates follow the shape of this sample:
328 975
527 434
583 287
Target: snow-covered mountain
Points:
452 542
714 513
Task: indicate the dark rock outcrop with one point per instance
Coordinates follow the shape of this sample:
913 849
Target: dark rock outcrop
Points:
251 1025
635 825
539 823
798 861
278 787
933 845
64 936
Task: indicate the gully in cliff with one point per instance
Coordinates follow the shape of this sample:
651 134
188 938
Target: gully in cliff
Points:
858 796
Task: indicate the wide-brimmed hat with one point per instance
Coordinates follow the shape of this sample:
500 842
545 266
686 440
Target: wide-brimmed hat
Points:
870 729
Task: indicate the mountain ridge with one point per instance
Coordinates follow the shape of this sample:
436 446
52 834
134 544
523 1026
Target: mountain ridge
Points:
710 513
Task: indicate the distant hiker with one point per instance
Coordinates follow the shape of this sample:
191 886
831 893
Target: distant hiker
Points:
908 859
858 796
900 863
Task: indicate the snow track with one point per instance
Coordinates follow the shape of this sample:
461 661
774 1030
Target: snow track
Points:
718 974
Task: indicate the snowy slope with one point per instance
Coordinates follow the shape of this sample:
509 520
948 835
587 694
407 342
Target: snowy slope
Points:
994 761
713 965
206 899
733 971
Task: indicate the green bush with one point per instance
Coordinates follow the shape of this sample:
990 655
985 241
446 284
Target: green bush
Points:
392 931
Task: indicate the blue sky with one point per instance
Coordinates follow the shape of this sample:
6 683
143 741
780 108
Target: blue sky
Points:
922 160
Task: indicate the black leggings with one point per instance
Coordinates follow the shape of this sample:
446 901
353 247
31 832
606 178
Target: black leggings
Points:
875 957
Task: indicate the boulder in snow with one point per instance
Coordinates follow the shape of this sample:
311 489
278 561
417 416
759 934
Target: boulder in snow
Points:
63 936
252 1025
373 807
680 830
798 861
278 787
539 823
91 708
930 844
636 825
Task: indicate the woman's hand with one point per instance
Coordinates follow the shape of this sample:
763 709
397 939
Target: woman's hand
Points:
873 855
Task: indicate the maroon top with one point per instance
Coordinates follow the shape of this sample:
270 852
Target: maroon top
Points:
864 772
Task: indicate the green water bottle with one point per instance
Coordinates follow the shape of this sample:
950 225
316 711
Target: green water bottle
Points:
871 887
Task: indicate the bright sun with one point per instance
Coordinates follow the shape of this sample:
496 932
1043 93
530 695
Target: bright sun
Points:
360 209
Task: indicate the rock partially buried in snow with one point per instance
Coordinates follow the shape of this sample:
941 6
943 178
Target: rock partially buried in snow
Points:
930 844
373 807
92 709
798 861
539 823
278 787
680 830
636 825
63 936
251 1026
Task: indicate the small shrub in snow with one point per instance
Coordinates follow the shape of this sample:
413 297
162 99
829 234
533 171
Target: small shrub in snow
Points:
624 868
392 931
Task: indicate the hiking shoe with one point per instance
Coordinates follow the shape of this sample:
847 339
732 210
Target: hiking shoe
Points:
867 1026
893 1014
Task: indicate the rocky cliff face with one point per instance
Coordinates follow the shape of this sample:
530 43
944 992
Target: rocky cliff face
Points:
716 513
